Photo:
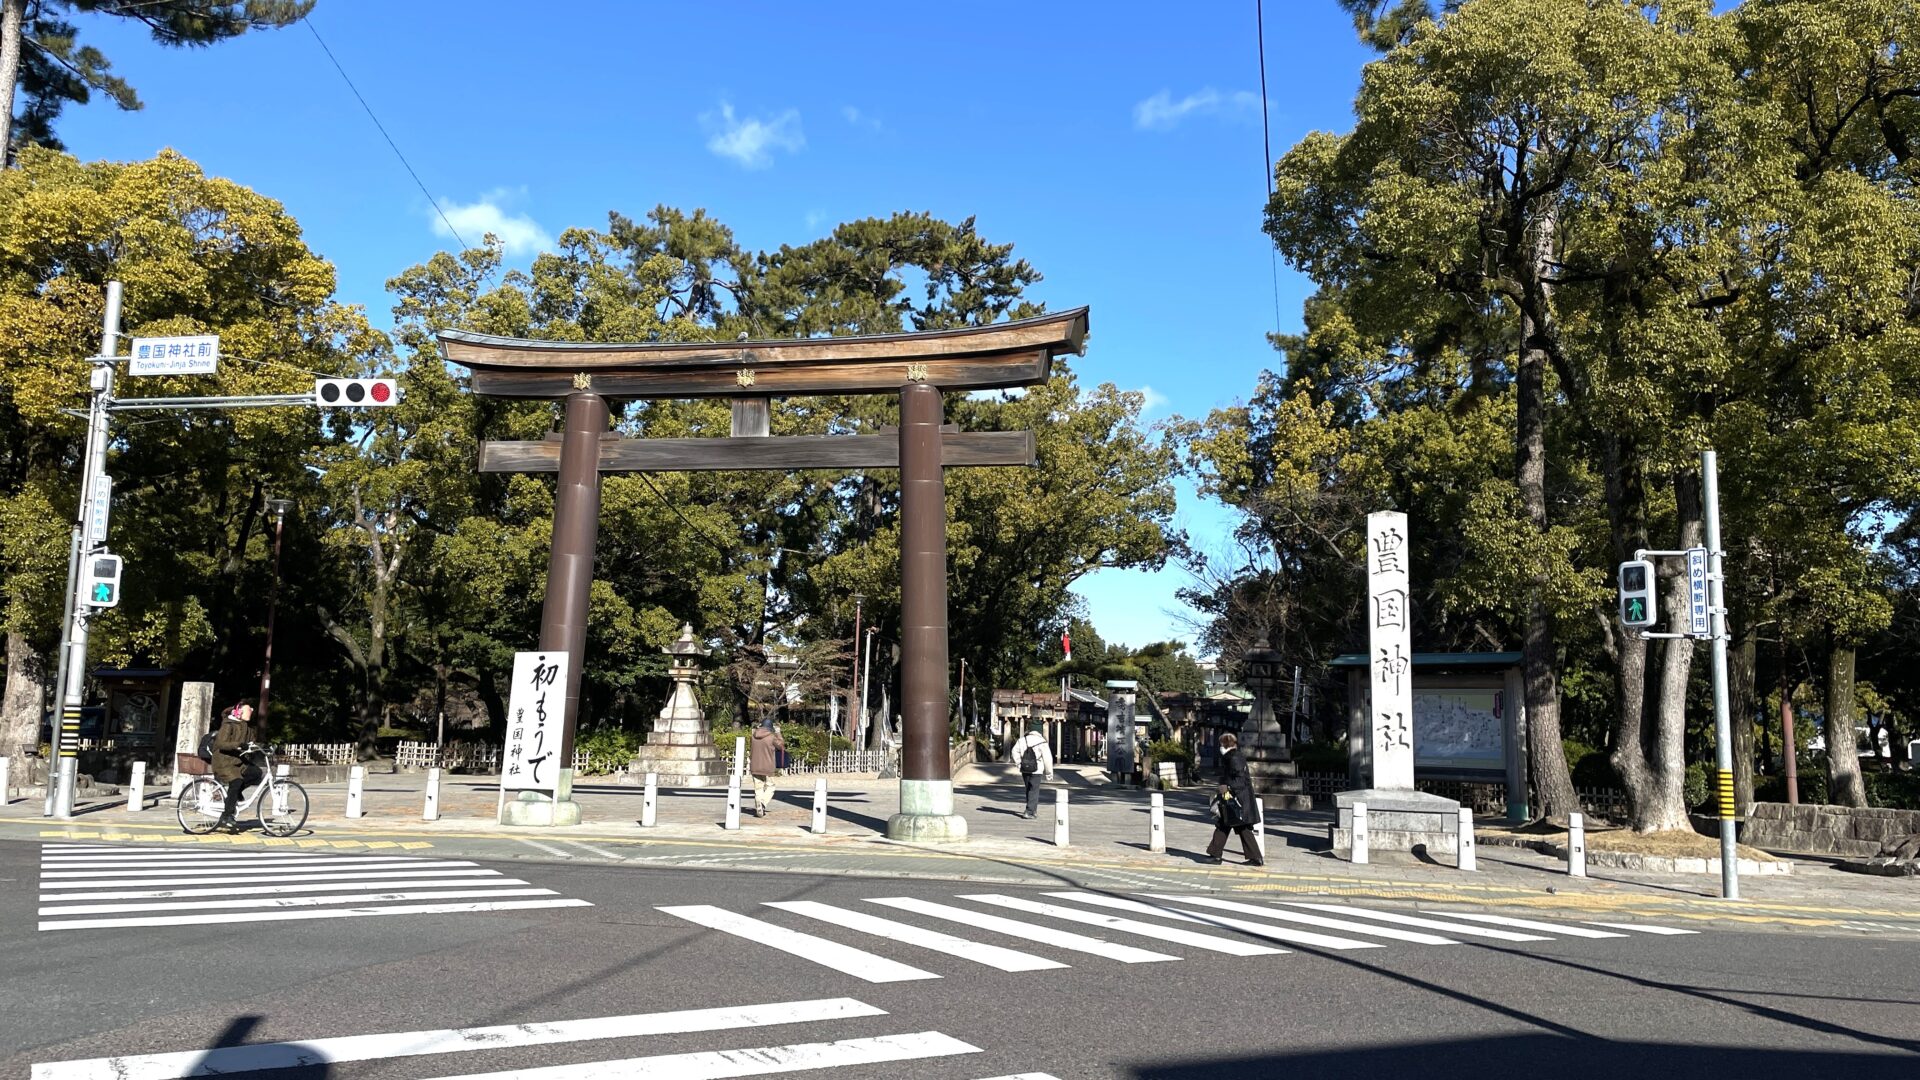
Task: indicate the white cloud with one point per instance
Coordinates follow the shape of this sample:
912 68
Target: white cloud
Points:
1161 113
1151 400
520 234
859 119
750 141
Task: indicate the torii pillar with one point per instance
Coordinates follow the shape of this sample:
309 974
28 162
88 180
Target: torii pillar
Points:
926 769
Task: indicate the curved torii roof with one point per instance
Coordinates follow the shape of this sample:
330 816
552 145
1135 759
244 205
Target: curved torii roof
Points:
1018 353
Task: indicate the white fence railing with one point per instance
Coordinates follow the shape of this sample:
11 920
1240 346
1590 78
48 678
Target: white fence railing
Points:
473 757
837 761
318 753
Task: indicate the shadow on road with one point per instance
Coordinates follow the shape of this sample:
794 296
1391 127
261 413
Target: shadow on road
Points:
1565 1058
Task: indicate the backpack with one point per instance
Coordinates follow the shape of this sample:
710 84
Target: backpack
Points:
1028 762
205 752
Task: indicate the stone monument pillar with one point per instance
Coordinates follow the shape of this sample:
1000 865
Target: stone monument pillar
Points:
679 749
196 719
1399 818
1263 738
1121 759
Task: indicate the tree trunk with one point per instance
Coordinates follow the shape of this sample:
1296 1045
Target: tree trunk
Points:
1844 785
1665 804
13 17
1627 508
24 703
1553 783
1743 702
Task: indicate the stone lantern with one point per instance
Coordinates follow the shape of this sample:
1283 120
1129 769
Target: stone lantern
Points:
680 748
1263 739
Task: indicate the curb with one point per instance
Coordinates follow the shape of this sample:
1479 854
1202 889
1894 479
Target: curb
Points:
1656 864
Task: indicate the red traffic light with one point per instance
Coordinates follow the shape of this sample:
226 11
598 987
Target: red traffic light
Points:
350 392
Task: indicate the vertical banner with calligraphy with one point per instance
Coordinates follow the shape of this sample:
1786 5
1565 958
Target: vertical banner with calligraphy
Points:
1390 649
535 713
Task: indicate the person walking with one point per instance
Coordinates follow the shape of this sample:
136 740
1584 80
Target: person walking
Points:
1233 809
1030 752
765 761
230 765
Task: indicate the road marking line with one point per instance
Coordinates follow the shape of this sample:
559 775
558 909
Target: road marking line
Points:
263 879
1415 920
1026 1076
1044 935
222 862
258 869
381 844
269 890
1130 926
260 1057
548 848
990 955
288 901
1414 937
335 913
842 958
1528 924
1246 926
413 845
313 843
598 851
750 1061
1645 928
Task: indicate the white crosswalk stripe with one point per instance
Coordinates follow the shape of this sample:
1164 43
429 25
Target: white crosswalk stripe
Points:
844 958
1645 928
92 887
990 955
1410 936
1246 926
1415 920
1172 934
1529 924
1035 932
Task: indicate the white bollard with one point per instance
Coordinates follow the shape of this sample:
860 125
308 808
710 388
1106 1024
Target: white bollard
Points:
1157 822
820 806
739 755
137 788
1576 845
1060 818
6 780
650 802
733 801
356 779
280 772
1359 833
1260 828
432 811
1464 857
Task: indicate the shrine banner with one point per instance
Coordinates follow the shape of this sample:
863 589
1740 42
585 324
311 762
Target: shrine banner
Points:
535 708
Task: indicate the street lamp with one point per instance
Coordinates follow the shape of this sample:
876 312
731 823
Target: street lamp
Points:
278 508
853 679
865 668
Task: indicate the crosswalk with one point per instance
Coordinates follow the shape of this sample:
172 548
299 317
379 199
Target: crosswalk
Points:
95 886
1169 922
732 1025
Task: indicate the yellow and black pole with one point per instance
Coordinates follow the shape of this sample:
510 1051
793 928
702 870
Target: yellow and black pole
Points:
1722 725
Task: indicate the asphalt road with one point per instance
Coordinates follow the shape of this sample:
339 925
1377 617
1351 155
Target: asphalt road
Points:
105 971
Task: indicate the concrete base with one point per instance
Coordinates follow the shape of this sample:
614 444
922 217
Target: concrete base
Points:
535 809
926 814
1398 820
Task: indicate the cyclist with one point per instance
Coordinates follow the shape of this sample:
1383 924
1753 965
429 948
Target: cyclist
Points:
230 764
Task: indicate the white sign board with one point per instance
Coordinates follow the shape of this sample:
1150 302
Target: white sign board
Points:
193 354
1390 650
97 509
1700 625
536 708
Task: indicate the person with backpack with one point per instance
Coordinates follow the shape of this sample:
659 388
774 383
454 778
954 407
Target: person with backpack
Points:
1036 764
1233 809
230 765
764 762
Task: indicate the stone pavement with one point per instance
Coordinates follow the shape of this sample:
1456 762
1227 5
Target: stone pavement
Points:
1108 847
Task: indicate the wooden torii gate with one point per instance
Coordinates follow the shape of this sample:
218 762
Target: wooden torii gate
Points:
918 366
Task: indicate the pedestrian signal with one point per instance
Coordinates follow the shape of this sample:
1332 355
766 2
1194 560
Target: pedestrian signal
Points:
1637 593
101 589
361 392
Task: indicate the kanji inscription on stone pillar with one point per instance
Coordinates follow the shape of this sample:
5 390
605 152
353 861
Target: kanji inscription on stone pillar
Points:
1389 650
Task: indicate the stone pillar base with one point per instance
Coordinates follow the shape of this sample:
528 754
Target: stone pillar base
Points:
926 814
1398 819
535 809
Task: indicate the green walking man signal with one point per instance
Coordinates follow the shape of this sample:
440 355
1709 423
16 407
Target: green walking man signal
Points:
102 589
1637 593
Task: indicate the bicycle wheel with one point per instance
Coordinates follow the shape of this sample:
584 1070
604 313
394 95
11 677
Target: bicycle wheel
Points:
200 804
283 808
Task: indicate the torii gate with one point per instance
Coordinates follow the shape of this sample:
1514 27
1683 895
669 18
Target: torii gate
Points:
916 365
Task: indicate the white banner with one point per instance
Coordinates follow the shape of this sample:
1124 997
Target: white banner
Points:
192 354
536 707
1390 650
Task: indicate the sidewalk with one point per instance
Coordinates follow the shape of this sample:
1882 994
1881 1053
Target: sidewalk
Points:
1108 849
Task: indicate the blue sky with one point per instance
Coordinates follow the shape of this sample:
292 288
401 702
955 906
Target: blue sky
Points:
1117 145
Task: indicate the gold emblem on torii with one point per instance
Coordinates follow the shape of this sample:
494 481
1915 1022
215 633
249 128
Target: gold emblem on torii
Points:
744 376
582 381
916 373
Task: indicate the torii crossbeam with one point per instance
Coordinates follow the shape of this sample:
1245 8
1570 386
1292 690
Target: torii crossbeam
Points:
916 365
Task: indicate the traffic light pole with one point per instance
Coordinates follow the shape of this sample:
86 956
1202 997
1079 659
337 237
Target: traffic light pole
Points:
1722 721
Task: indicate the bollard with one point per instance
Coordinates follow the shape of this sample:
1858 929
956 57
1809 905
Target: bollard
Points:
733 800
1060 818
1260 827
1576 845
355 781
650 803
137 788
1157 823
1359 833
432 812
820 806
280 772
6 780
63 794
1464 851
739 755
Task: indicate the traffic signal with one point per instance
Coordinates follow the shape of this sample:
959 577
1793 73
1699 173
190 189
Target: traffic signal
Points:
351 392
1637 606
101 588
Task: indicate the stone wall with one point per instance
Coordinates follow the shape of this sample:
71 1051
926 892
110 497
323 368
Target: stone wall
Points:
1825 830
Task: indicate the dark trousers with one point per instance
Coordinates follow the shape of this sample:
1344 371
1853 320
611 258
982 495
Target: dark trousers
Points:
1249 846
1033 792
248 777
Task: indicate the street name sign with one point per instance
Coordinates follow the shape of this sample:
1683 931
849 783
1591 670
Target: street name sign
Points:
192 354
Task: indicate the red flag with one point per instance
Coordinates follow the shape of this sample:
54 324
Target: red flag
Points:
1066 643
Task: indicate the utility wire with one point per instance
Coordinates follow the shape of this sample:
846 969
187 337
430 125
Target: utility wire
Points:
1266 149
308 23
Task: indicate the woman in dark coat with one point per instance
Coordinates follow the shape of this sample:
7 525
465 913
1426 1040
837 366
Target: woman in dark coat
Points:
1233 806
230 765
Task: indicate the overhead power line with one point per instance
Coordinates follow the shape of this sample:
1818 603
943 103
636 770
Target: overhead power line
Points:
1266 149
435 203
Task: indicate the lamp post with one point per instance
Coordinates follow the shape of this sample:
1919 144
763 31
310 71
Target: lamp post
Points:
853 679
279 508
866 668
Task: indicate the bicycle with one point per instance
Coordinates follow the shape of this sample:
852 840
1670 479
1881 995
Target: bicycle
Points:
279 803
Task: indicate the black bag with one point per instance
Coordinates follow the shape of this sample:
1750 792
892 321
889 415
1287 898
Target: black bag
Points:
1029 763
206 747
1227 811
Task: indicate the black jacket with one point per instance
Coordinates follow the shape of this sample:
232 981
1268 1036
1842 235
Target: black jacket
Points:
1233 774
